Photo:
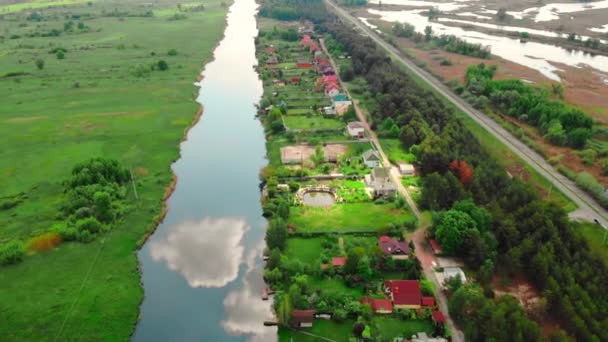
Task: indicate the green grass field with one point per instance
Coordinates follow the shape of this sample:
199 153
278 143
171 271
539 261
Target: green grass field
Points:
351 217
314 122
307 250
101 100
596 237
396 152
392 327
328 329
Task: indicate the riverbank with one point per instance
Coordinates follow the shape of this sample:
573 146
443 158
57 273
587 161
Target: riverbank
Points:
66 113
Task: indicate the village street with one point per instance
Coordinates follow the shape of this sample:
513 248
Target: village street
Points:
422 250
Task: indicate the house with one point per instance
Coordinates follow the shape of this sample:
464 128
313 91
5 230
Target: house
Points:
435 246
356 129
306 40
330 110
335 262
371 158
342 107
379 181
406 169
381 306
295 80
438 317
327 70
304 65
328 79
272 60
314 47
428 302
271 50
398 249
332 89
405 294
451 272
302 318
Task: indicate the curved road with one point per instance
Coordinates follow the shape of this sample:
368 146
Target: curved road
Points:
588 208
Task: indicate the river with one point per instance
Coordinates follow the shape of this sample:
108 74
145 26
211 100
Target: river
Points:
202 268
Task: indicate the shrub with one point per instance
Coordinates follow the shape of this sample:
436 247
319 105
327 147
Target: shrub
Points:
162 65
172 52
40 63
44 242
60 55
11 252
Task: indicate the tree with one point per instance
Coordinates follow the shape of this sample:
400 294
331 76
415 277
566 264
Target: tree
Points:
283 210
60 54
319 156
103 206
172 52
463 171
452 230
274 260
285 309
162 65
40 63
428 33
276 235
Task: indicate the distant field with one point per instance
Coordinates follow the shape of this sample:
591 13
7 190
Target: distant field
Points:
360 217
102 99
8 7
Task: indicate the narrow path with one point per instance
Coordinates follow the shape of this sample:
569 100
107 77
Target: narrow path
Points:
589 209
423 254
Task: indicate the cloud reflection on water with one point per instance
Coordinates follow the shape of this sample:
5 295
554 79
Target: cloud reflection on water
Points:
207 253
245 308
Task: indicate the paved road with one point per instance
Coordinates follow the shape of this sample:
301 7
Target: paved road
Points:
422 251
588 208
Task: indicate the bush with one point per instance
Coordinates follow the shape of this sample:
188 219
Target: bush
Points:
162 65
40 63
11 252
60 55
172 52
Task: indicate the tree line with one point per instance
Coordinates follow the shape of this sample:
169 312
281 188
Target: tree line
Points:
313 10
493 221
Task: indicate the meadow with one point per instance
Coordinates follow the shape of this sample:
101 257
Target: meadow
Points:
106 95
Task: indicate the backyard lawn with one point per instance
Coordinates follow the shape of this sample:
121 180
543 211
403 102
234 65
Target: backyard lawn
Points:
359 217
307 250
314 122
392 327
396 152
339 332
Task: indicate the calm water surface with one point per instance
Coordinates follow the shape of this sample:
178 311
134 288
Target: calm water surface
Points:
202 270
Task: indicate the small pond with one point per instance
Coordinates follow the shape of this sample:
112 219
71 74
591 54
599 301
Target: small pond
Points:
318 199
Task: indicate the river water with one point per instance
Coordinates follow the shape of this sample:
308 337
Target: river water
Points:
202 268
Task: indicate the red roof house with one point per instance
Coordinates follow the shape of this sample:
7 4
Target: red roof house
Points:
304 65
438 317
332 89
435 246
306 40
428 301
271 50
383 306
295 80
328 79
314 47
302 318
394 247
404 293
338 261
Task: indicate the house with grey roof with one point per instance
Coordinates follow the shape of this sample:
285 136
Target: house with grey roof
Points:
380 183
371 158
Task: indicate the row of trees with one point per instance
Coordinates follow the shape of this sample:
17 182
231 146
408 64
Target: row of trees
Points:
560 123
313 10
526 235
448 42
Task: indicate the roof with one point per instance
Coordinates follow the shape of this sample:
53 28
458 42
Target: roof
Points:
451 272
339 97
404 292
428 301
371 155
330 86
392 246
435 245
355 125
438 316
380 172
303 316
338 261
272 60
377 304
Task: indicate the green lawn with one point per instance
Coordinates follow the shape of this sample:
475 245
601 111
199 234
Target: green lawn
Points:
335 286
299 111
307 250
392 327
396 152
91 104
596 237
329 329
361 217
313 122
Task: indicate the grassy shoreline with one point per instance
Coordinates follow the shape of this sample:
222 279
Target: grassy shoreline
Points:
93 291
